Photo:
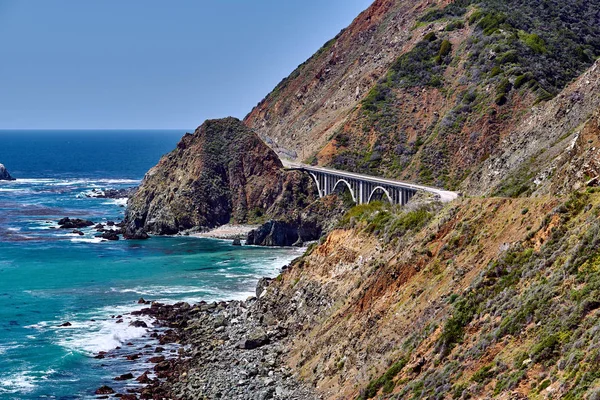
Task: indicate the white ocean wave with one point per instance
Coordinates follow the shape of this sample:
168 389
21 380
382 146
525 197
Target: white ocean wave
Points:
116 202
87 240
32 181
19 382
13 190
157 291
71 181
97 331
102 336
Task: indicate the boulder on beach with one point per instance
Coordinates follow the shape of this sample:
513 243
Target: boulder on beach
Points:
255 339
4 175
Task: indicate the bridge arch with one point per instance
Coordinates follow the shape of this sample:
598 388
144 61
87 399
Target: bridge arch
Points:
316 179
349 188
384 190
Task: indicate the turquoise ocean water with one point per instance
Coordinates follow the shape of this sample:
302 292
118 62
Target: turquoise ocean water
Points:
49 276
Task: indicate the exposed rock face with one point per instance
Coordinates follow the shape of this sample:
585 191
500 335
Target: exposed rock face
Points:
4 175
304 226
222 173
273 233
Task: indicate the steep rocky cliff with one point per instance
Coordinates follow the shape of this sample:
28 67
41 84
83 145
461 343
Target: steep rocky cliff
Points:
489 297
493 295
222 173
305 109
445 85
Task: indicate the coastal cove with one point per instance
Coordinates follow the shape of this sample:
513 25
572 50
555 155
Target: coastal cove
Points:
53 277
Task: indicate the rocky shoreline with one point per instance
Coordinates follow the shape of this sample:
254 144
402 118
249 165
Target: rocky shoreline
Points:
224 350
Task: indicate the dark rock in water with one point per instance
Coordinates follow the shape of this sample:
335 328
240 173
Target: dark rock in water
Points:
128 396
109 235
256 339
76 223
104 390
124 377
138 324
142 301
156 360
4 175
99 226
110 223
273 233
237 242
77 232
162 366
138 234
65 324
113 193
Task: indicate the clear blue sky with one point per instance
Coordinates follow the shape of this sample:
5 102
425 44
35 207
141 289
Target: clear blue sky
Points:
103 64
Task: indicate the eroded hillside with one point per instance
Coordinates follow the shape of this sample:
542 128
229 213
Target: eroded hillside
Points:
452 91
487 297
306 108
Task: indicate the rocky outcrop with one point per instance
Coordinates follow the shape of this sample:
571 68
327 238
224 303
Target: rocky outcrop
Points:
112 193
308 225
273 233
4 175
75 223
222 173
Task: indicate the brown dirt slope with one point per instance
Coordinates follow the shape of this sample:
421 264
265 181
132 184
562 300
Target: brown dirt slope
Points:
488 297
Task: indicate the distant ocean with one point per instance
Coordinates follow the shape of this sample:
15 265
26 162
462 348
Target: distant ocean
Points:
49 276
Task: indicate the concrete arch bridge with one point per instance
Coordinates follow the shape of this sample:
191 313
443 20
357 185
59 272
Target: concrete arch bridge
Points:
365 188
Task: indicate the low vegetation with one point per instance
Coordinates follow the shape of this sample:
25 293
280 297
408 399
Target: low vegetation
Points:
385 220
539 304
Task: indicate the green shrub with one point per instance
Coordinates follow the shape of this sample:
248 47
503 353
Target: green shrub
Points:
534 42
455 25
386 381
483 374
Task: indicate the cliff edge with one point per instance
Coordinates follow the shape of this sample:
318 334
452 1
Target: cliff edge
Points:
221 173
